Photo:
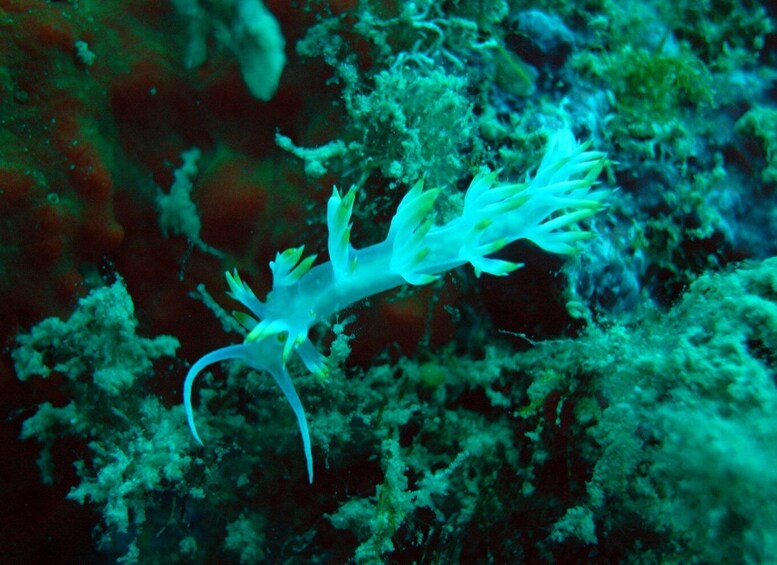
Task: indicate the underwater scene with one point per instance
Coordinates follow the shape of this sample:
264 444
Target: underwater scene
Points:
405 282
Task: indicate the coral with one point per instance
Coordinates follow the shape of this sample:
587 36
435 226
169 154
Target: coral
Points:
177 213
245 27
104 366
246 538
98 341
759 125
683 425
57 216
406 120
571 433
411 112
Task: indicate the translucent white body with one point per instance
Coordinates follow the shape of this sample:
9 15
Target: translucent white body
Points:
545 209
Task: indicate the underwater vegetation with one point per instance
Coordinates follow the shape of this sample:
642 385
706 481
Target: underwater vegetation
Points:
534 321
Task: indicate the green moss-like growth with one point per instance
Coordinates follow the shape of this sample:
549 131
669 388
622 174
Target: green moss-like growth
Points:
418 120
136 446
725 33
651 88
683 440
650 441
759 126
